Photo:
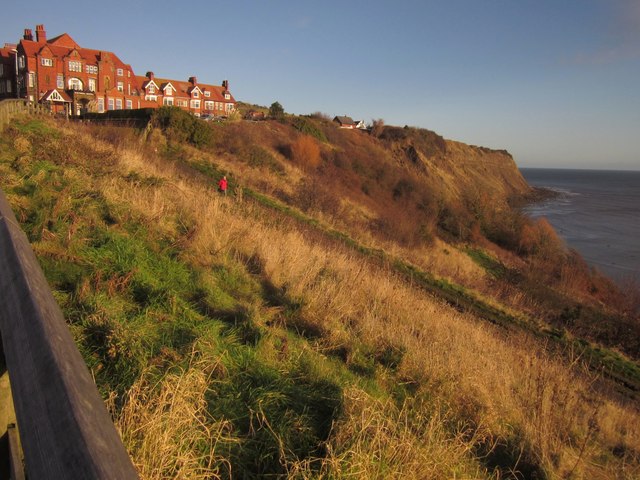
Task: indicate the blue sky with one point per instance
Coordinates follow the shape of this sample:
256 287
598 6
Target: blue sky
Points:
557 83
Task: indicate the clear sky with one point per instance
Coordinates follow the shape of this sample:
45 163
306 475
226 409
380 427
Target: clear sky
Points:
555 82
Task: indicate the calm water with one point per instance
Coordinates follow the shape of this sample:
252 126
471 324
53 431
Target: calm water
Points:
597 213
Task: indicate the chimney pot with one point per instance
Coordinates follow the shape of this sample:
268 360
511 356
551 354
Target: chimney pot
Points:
150 75
28 34
41 34
193 81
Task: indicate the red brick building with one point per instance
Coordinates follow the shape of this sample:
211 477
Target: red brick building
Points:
72 79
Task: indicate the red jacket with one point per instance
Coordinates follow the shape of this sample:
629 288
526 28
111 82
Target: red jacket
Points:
222 184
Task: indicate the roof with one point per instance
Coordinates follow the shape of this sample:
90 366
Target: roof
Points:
55 96
64 40
183 89
344 120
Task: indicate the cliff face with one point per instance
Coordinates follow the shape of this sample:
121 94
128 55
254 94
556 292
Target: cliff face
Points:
454 169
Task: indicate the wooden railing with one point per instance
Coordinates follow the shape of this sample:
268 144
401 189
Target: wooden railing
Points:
12 107
65 429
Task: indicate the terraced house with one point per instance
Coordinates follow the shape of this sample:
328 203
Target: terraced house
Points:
73 80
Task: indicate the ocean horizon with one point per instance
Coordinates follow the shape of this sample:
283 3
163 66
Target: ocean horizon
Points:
596 212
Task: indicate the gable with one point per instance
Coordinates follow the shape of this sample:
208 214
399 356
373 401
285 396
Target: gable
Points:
54 96
64 40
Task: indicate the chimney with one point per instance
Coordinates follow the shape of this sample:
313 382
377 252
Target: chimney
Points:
225 85
41 35
150 75
193 81
28 35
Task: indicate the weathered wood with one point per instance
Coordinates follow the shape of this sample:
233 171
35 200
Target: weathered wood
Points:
65 429
17 469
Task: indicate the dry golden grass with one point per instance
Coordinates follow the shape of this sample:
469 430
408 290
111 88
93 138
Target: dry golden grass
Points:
167 430
508 388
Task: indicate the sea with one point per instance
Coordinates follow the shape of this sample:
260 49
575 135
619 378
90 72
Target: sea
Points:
597 213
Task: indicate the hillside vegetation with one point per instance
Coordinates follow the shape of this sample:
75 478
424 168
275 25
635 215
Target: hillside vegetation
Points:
359 306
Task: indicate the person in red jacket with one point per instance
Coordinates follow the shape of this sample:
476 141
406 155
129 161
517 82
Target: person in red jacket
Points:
222 185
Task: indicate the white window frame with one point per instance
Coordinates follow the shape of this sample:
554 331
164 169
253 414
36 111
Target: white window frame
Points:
167 101
46 62
120 86
151 98
195 94
100 104
195 104
92 84
208 105
75 66
207 94
21 61
118 104
128 104
32 79
120 72
60 80
111 104
75 82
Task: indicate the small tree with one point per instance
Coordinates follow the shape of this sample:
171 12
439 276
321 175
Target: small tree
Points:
276 111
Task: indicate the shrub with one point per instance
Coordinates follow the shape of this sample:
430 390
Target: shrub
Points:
181 126
308 127
306 152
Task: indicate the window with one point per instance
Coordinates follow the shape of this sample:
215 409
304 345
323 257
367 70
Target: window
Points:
21 61
46 62
151 88
118 104
32 79
196 94
75 66
120 72
92 69
208 105
229 107
151 98
207 94
92 84
227 96
195 104
100 104
168 91
120 87
129 104
60 81
110 104
183 103
167 101
75 84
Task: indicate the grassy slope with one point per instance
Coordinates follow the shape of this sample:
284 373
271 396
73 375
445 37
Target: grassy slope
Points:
230 335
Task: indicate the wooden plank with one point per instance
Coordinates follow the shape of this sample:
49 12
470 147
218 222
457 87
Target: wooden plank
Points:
65 429
15 453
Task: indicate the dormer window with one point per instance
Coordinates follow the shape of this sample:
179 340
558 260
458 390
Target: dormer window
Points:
227 96
47 62
207 94
196 94
151 88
